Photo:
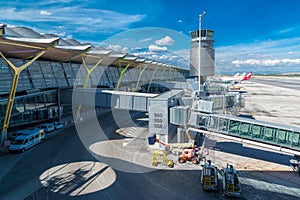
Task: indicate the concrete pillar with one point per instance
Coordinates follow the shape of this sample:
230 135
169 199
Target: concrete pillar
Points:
181 135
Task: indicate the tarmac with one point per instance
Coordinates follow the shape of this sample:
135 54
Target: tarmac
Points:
264 173
7 162
273 101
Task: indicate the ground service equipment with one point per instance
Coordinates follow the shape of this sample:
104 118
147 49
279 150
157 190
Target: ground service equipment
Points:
160 156
190 154
230 182
295 163
209 176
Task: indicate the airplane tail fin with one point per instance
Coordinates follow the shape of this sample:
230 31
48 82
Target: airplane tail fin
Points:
242 76
248 76
237 75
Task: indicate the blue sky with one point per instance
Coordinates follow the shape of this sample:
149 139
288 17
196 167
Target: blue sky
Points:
258 35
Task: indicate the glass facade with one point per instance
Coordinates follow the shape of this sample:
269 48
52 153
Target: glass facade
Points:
30 108
59 74
37 75
99 77
5 77
69 73
44 77
45 74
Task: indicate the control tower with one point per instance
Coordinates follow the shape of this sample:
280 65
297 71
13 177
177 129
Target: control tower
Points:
206 57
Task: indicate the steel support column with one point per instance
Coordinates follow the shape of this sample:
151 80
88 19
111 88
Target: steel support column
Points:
87 77
140 76
149 85
162 73
161 76
122 71
10 101
89 71
173 74
168 75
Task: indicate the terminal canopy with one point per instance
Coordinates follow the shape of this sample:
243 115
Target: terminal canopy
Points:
24 43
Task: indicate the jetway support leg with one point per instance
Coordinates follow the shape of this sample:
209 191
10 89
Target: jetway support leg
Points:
181 132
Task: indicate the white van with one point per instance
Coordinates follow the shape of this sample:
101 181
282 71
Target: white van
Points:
23 142
20 132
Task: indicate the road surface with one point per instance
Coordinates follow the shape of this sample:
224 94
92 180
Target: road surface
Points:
291 83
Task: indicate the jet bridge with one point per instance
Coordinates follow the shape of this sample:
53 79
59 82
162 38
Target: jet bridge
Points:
119 99
275 134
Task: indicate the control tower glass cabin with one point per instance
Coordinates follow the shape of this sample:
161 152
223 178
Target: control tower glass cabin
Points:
204 59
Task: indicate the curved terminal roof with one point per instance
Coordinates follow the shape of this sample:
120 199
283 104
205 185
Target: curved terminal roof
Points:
26 32
24 43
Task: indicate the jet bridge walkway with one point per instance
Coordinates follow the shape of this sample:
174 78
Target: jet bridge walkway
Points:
259 131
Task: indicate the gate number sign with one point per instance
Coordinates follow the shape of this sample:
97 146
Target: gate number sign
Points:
158 120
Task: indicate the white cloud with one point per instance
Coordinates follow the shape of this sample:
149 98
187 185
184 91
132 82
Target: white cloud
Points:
184 53
264 56
271 47
266 62
87 20
117 47
168 41
286 30
154 47
144 53
180 21
54 2
145 40
178 58
46 13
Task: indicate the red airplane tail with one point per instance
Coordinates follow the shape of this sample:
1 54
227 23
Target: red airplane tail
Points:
248 76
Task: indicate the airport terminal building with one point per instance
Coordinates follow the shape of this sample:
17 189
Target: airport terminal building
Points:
39 73
35 68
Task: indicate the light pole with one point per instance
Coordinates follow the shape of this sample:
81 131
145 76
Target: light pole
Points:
200 28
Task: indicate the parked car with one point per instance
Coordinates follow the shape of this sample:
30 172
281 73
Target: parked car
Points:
58 125
47 127
23 142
